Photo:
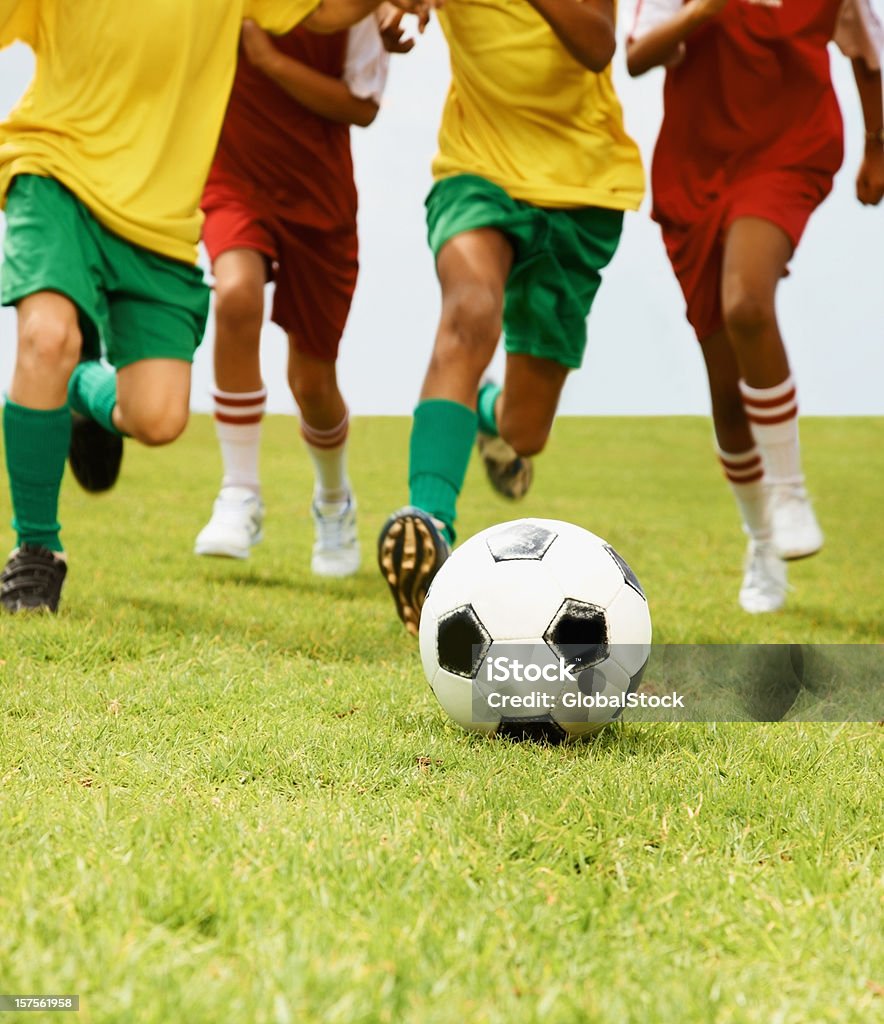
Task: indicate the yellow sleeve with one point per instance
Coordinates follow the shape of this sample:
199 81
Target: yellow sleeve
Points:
278 16
18 20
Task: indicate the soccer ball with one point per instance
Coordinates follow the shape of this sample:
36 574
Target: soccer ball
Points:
535 629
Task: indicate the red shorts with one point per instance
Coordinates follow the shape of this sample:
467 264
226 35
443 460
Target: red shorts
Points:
314 270
696 249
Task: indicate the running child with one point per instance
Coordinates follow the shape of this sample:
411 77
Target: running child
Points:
102 165
280 203
750 142
533 174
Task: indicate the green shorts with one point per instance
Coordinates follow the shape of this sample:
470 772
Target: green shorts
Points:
558 259
139 304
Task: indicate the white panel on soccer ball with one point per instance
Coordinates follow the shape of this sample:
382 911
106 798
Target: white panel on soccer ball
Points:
629 629
427 634
583 568
607 680
453 583
517 600
460 700
532 694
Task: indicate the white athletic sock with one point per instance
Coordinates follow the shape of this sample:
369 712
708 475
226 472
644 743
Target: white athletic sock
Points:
773 417
745 474
238 416
328 450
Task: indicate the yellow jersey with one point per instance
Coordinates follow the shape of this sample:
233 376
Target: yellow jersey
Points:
127 102
523 113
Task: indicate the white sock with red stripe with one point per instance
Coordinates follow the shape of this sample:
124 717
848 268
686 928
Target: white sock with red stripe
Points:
745 474
328 450
773 417
238 416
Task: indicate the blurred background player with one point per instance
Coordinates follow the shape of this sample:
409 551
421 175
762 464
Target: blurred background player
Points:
280 203
533 174
750 142
102 165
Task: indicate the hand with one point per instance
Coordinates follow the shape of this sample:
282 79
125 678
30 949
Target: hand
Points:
257 45
420 8
870 180
393 35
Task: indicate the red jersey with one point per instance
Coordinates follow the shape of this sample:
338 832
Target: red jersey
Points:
752 94
279 153
751 128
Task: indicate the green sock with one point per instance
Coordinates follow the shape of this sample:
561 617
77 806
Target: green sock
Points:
442 437
37 442
92 392
488 393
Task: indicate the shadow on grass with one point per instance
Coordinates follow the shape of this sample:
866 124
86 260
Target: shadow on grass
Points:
226 619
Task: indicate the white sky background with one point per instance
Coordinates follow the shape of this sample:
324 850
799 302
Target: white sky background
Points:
642 357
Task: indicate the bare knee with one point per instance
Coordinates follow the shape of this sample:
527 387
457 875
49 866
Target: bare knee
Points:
239 304
48 343
155 423
473 312
469 329
747 314
313 390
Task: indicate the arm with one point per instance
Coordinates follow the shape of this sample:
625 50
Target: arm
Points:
323 94
335 15
870 180
664 43
584 27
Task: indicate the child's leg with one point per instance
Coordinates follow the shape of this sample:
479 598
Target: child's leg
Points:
325 425
473 268
737 452
37 433
36 417
239 401
764 581
324 421
239 396
527 404
756 253
515 420
153 400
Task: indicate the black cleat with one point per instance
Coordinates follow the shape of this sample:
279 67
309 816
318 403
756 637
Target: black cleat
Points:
411 550
32 579
95 454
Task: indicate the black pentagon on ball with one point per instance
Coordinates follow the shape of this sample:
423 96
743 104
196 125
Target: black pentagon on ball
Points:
520 541
461 642
534 730
578 633
628 575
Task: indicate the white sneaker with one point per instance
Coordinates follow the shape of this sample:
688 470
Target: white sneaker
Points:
235 526
336 549
796 533
764 583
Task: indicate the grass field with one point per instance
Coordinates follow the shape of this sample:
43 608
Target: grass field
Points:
227 794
